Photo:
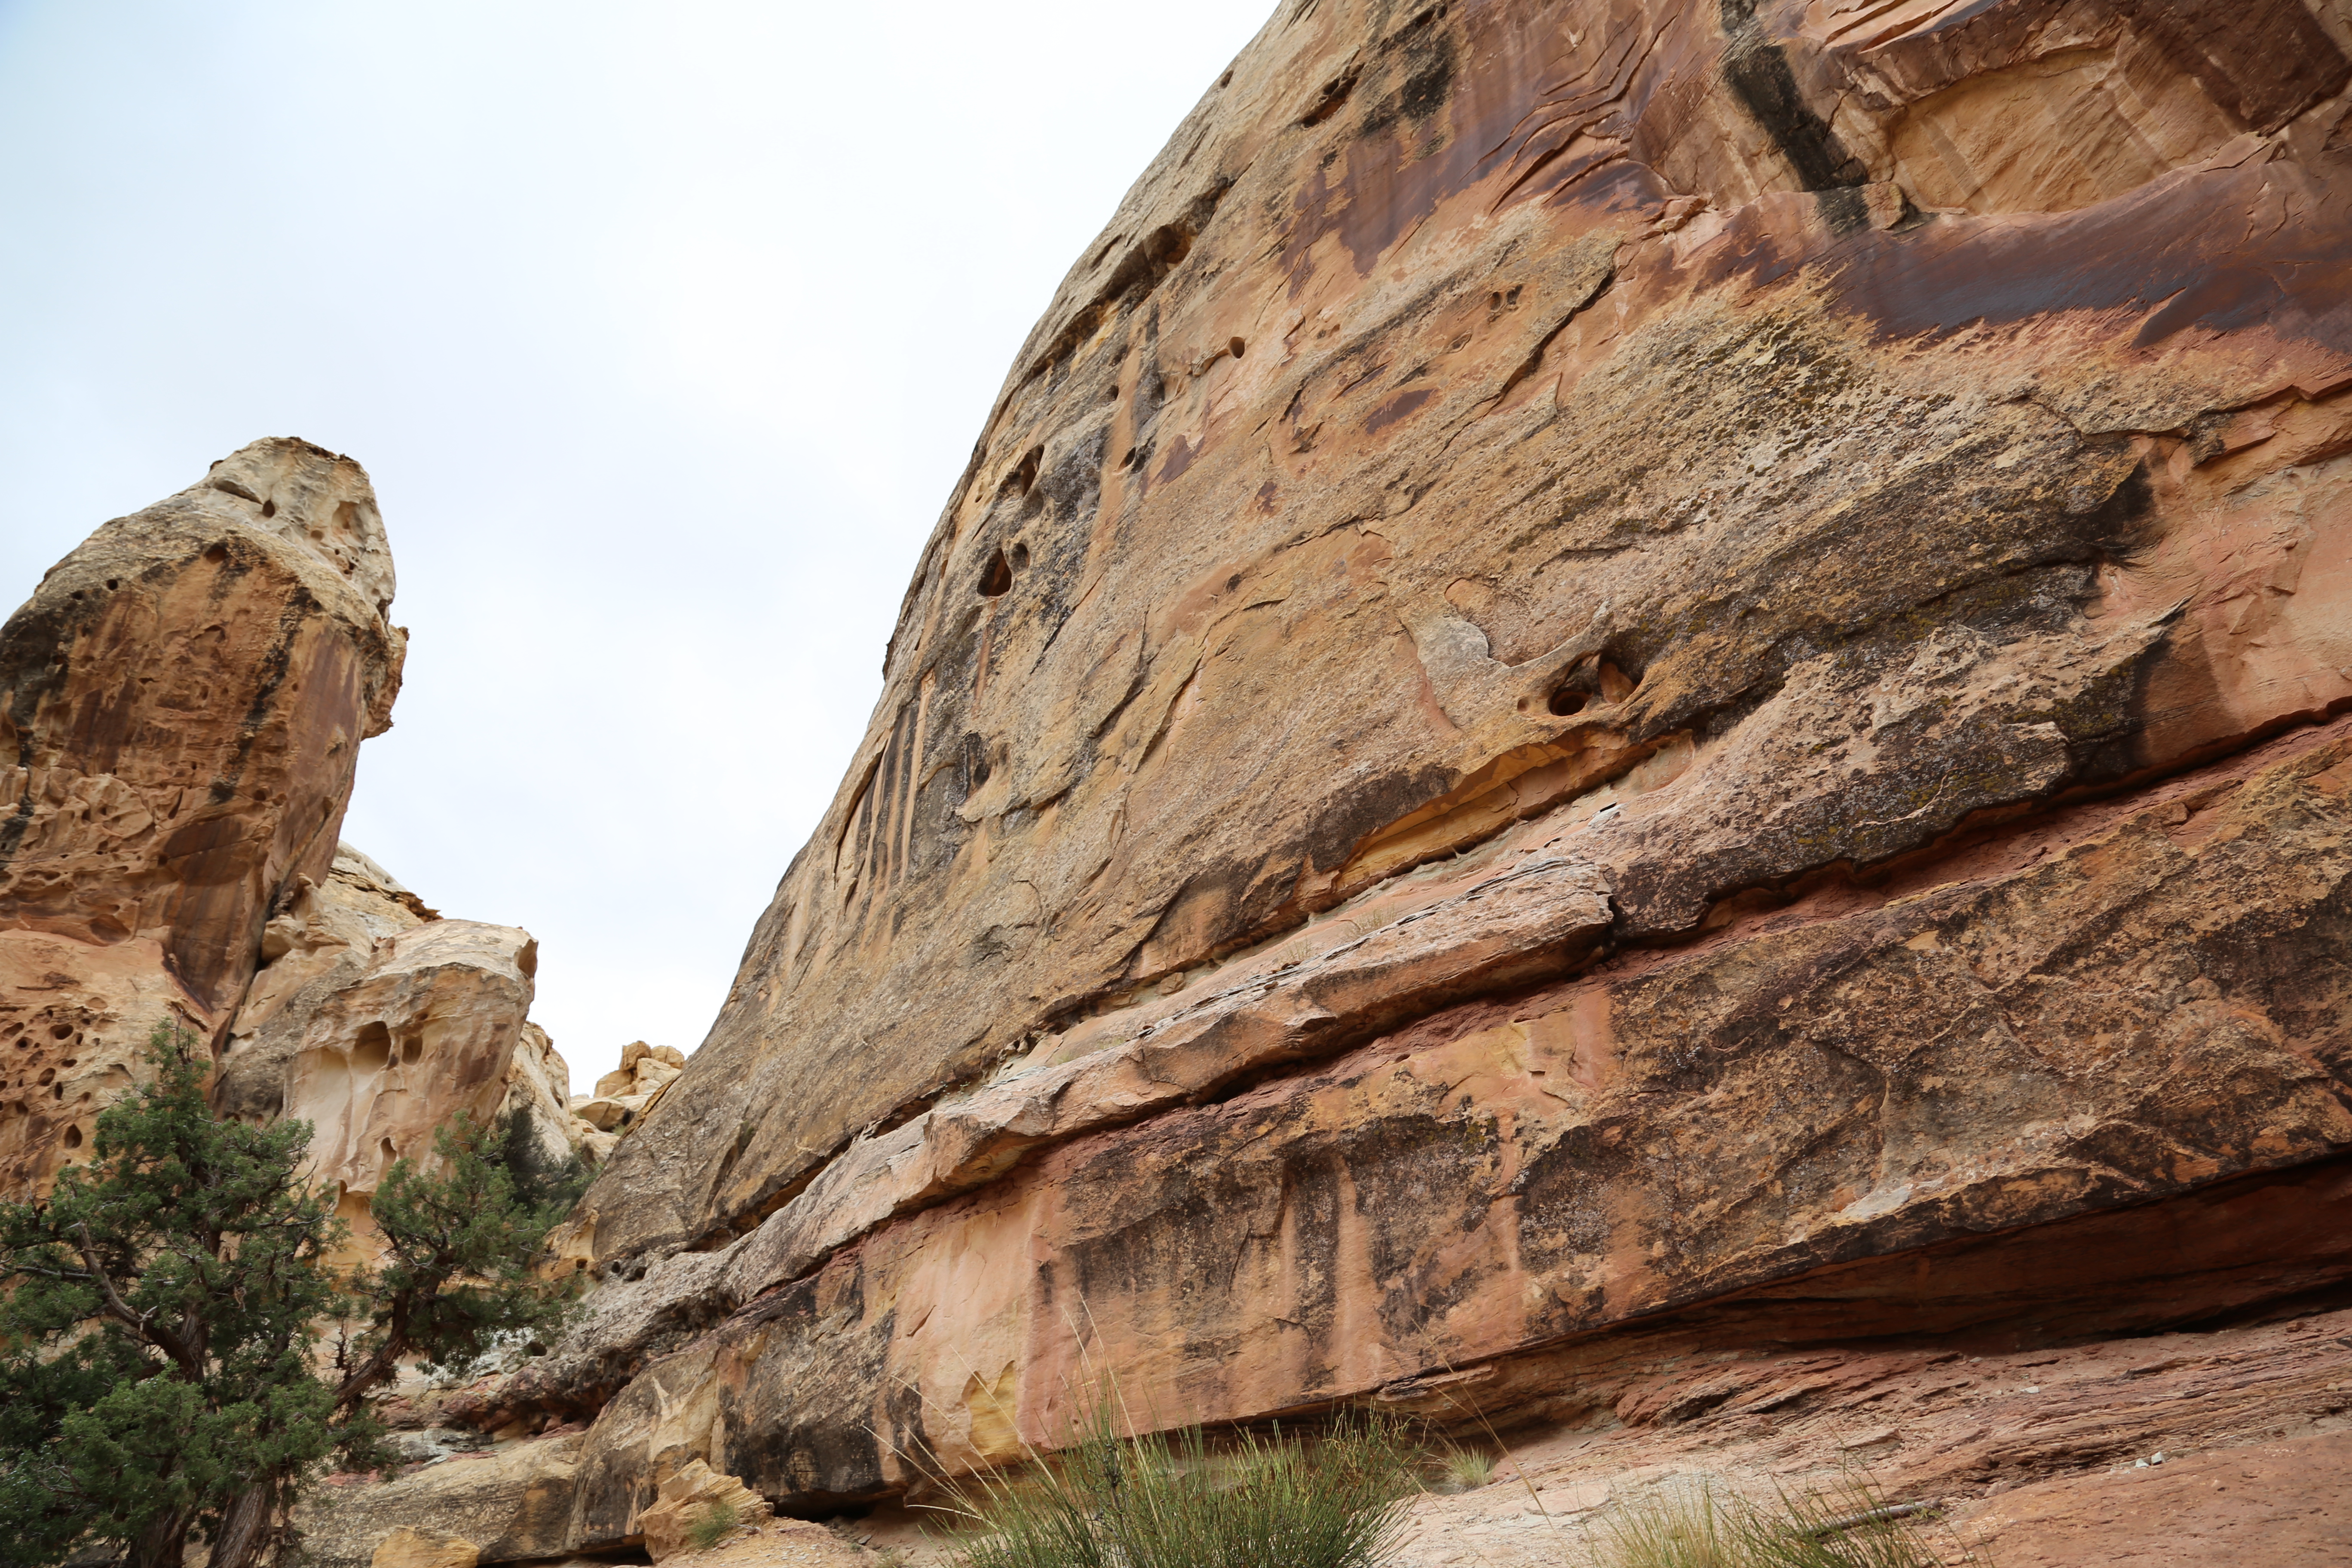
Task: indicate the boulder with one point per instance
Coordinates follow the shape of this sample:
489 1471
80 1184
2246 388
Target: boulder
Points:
513 1501
644 1069
695 1492
182 703
625 1095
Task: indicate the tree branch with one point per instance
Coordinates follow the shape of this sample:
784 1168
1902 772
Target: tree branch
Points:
163 1338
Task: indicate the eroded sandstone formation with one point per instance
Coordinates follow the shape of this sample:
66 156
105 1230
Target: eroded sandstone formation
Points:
630 1090
379 1021
182 704
1607 658
183 701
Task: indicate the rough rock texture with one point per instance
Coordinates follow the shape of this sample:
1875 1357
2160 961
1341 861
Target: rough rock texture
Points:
406 1547
378 1022
1610 661
512 1503
182 704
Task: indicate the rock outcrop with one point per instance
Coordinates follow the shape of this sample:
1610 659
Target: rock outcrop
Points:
1613 669
379 1021
182 704
629 1090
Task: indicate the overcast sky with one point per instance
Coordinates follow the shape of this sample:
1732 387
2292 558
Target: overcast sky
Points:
663 329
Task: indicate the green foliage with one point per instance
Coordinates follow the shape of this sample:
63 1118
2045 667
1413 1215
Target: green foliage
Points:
540 1186
1160 1502
157 1331
713 1523
161 1314
1847 1525
1681 1528
460 1246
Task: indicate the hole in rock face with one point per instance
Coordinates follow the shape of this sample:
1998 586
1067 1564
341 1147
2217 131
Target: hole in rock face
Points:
372 1049
390 1153
73 1138
1567 701
995 577
269 509
1021 558
412 1048
1025 473
1234 347
113 583
216 554
60 1031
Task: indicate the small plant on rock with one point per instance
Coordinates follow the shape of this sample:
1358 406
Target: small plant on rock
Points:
713 1523
1683 1527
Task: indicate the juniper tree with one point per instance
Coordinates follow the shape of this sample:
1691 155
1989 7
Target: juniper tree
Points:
163 1376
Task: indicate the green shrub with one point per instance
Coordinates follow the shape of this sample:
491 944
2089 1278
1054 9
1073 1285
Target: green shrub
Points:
1168 1501
713 1523
164 1378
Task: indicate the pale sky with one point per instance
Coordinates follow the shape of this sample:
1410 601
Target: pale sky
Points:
663 329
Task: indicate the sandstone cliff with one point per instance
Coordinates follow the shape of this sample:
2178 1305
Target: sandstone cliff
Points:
1613 669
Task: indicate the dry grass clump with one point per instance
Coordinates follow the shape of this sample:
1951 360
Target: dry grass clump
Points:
1168 1502
1466 1470
1847 1525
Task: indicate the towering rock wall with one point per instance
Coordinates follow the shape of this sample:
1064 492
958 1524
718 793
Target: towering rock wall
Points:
1613 669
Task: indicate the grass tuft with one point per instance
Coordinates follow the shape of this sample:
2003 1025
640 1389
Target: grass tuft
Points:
1468 1468
1690 1527
1171 1501
1847 1525
713 1523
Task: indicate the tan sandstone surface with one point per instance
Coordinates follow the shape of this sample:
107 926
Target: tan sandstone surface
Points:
1623 684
